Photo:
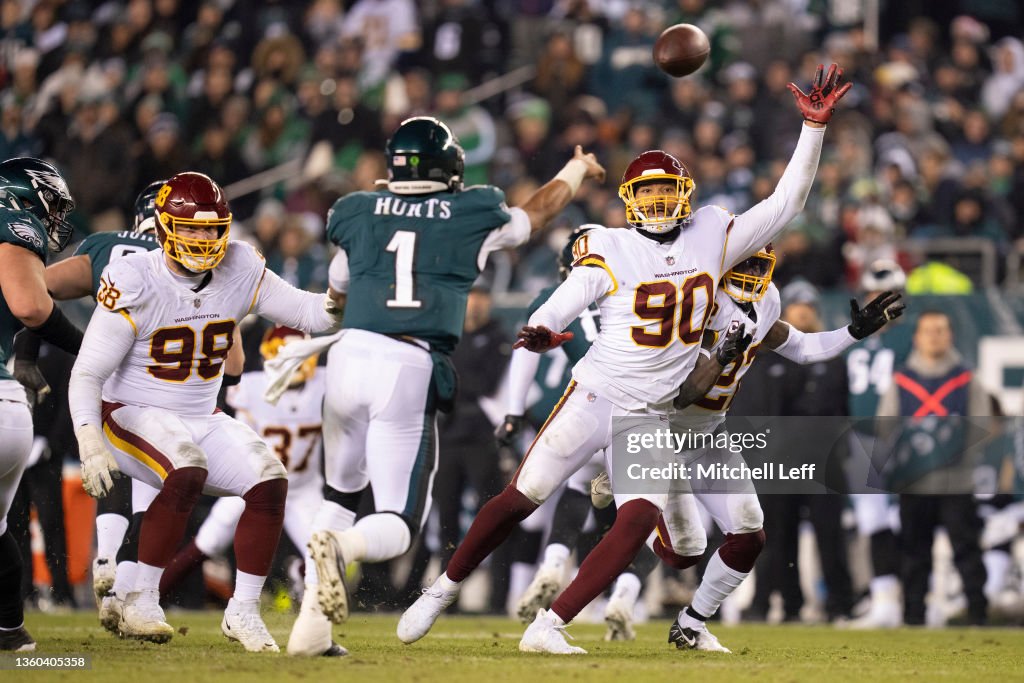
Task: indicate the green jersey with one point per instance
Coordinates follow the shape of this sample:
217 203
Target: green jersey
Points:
870 364
24 230
413 258
555 369
103 247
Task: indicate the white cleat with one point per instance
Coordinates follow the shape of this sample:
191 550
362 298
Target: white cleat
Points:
547 634
103 571
111 609
311 633
242 622
618 614
143 619
330 569
882 614
417 621
541 592
693 634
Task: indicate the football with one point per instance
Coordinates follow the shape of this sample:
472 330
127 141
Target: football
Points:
681 49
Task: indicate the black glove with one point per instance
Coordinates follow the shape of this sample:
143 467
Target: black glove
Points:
36 386
736 342
873 317
508 430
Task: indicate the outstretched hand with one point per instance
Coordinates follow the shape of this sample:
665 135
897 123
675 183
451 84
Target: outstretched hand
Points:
819 105
875 314
540 339
594 169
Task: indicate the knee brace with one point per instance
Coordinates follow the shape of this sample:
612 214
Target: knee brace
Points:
740 551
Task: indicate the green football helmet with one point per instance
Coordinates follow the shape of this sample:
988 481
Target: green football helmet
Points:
30 184
145 208
423 157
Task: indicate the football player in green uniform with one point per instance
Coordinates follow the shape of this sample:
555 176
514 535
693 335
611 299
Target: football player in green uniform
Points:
34 204
409 253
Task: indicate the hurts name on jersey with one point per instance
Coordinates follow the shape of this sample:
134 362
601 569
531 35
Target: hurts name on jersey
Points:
431 208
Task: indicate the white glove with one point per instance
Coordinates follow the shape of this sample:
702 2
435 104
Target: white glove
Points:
601 491
98 462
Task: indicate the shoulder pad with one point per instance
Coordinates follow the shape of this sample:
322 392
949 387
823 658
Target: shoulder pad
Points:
122 284
593 244
485 195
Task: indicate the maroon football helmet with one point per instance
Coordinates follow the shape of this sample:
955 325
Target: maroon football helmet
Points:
192 200
662 211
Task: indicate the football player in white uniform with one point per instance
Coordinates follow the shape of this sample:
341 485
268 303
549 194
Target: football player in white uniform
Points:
655 284
746 321
162 331
292 428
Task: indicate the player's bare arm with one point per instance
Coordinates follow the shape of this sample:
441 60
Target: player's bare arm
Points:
22 278
70 278
709 368
549 200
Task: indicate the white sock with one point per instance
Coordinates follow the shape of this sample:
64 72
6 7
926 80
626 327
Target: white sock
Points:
884 587
997 565
333 517
310 600
376 538
124 580
110 531
444 583
555 618
719 582
627 586
248 586
309 570
147 577
556 554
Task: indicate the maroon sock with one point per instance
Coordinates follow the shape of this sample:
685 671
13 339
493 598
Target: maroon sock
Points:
634 522
163 525
492 526
180 566
259 527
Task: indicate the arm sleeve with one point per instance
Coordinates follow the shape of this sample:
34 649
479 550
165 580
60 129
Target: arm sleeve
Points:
338 274
584 286
756 227
286 305
804 348
521 371
108 339
512 234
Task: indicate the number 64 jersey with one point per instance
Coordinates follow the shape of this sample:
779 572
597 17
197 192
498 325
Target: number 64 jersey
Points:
168 350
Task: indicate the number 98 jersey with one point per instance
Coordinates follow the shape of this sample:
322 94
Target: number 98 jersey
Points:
182 336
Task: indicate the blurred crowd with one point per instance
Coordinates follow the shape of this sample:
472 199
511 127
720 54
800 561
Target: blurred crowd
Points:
121 93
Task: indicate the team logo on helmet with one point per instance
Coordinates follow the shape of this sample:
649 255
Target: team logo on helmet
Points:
189 202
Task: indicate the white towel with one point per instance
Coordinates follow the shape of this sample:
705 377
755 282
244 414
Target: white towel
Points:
281 368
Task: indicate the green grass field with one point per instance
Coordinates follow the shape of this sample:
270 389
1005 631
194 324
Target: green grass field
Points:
485 649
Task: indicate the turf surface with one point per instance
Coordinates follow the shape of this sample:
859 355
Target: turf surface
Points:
485 649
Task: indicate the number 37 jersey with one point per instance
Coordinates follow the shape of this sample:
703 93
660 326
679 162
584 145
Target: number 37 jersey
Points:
181 336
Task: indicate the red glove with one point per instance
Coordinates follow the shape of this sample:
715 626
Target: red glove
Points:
540 339
820 104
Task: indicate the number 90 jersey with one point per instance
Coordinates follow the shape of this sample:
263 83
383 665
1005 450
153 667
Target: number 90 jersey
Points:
653 315
181 336
291 427
707 412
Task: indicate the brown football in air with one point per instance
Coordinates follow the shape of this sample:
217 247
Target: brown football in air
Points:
681 49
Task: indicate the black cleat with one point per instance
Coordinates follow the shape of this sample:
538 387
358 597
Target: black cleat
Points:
17 640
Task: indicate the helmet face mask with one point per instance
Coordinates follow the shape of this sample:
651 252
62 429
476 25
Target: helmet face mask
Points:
656 190
424 156
276 337
29 184
749 279
185 205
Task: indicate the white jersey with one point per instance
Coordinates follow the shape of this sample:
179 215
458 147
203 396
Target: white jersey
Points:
292 428
181 336
653 318
707 412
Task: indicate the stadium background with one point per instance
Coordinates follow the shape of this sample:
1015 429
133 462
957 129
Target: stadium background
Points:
288 105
